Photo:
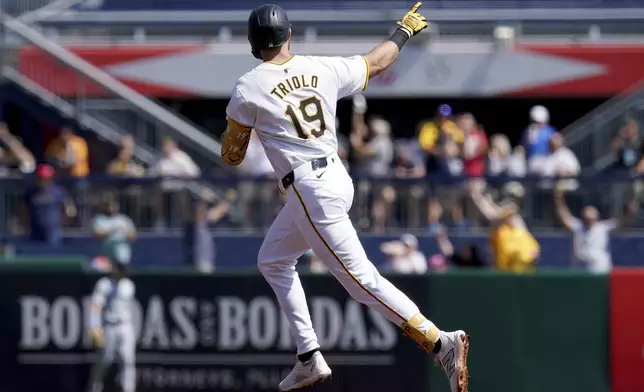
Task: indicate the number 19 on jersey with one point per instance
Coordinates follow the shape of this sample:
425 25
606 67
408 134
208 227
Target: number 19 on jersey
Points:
311 111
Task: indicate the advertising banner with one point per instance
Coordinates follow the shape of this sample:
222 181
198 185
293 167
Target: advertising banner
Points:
627 329
439 70
223 333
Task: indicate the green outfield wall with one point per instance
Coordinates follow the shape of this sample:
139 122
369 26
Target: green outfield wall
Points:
532 333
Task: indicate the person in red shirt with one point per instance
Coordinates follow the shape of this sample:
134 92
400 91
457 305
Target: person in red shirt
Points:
474 146
473 153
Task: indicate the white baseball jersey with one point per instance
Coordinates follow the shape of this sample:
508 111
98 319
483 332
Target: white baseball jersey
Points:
116 298
292 105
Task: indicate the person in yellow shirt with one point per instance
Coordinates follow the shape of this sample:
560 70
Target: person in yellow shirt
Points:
513 247
69 154
442 141
432 134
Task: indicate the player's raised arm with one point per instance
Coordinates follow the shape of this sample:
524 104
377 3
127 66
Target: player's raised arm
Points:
383 55
563 213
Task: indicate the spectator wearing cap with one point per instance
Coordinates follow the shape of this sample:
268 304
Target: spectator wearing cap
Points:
114 230
404 257
536 138
69 154
513 247
44 206
441 139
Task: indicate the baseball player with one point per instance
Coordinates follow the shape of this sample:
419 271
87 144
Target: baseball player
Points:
290 102
112 328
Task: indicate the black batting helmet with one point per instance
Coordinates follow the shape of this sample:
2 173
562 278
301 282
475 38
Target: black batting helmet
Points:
268 27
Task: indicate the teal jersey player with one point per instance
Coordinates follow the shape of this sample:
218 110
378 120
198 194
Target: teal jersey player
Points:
115 230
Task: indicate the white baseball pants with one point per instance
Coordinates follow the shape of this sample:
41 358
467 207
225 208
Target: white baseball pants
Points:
316 217
120 343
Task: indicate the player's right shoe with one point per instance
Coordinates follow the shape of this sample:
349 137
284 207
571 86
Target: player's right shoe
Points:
453 359
305 374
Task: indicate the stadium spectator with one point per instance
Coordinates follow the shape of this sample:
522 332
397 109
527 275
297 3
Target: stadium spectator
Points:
513 246
68 153
404 257
440 139
173 200
130 197
114 230
536 138
13 154
44 206
560 162
628 147
198 245
124 164
174 163
372 155
502 161
473 154
474 145
408 164
590 235
373 149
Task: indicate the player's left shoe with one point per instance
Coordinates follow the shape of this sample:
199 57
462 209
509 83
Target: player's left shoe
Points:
305 374
453 359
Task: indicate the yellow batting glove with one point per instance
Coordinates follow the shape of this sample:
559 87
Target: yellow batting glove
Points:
413 22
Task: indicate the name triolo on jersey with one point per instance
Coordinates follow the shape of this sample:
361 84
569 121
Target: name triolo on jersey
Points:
291 84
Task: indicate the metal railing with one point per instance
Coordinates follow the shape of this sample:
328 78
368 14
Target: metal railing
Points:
590 137
94 92
380 205
35 8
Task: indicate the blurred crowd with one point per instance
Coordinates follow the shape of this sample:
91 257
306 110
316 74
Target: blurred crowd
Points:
448 146
453 155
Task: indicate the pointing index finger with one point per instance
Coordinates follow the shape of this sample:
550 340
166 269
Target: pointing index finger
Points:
416 7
